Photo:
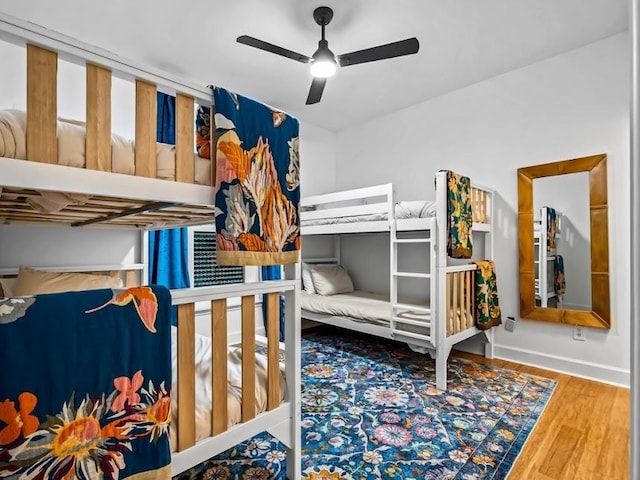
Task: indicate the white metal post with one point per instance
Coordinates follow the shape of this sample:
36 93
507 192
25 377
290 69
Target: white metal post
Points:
489 251
438 318
293 369
144 257
543 288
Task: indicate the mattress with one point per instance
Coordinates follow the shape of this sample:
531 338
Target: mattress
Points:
357 305
402 210
203 386
71 148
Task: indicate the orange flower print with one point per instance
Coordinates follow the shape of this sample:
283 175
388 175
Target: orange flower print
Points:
18 421
128 391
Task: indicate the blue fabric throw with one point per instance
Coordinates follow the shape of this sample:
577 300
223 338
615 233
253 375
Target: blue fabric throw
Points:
272 272
257 188
90 391
168 249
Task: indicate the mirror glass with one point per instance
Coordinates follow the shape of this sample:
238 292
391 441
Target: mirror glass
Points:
562 246
563 242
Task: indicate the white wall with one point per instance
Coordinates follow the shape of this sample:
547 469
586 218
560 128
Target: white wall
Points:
54 247
317 160
572 105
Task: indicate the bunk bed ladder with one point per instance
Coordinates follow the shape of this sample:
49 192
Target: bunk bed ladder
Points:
409 322
544 257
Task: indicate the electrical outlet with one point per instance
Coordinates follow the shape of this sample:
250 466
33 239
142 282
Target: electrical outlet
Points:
579 333
510 324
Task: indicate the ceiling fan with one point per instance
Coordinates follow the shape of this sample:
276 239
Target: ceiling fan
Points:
324 63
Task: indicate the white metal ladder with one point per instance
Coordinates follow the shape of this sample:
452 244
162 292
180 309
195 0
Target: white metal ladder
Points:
423 340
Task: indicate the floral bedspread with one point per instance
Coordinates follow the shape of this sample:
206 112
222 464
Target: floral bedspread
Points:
560 284
460 218
488 313
85 385
257 180
552 228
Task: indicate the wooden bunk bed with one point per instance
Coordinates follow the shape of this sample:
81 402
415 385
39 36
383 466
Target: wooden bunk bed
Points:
448 318
140 201
545 260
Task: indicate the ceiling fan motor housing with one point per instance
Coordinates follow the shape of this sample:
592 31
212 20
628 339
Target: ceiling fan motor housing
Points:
323 16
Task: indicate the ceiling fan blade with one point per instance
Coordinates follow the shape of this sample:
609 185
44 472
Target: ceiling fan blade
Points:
269 47
315 92
381 52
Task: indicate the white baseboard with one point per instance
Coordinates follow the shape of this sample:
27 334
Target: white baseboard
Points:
591 371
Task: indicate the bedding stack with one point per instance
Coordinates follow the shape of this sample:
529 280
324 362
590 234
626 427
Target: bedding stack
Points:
71 148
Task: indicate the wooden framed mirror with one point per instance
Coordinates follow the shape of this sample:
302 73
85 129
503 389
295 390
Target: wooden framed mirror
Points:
540 224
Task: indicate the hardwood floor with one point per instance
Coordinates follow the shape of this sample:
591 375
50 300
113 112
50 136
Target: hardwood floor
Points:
583 433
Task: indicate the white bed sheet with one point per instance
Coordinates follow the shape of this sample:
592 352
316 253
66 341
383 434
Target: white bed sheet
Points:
403 210
203 386
358 305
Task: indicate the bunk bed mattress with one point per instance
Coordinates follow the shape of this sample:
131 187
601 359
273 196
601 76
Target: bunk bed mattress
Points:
71 148
403 210
203 386
360 306
357 305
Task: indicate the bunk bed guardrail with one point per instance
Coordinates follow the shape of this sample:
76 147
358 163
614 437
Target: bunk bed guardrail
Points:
183 203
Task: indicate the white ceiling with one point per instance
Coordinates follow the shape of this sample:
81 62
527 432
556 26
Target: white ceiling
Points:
461 42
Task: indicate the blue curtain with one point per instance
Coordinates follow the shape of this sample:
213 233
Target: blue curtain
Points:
272 272
168 249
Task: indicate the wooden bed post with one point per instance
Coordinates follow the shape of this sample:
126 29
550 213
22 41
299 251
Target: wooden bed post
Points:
42 105
185 167
98 142
186 377
146 113
273 351
248 357
219 368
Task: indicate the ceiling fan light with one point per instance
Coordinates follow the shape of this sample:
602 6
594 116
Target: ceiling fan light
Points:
323 68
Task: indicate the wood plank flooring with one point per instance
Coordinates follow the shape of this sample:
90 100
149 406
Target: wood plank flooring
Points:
583 433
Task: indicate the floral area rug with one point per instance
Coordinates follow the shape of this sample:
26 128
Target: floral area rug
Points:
370 410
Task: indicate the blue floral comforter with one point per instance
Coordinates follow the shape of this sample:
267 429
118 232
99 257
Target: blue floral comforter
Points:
85 383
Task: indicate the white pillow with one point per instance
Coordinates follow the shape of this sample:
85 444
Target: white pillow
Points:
6 286
34 282
331 279
307 280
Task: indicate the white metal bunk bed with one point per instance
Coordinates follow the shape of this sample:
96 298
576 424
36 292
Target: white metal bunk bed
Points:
449 317
143 202
545 280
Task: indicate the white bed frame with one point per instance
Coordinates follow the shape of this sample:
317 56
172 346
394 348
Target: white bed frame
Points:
448 281
190 205
544 259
